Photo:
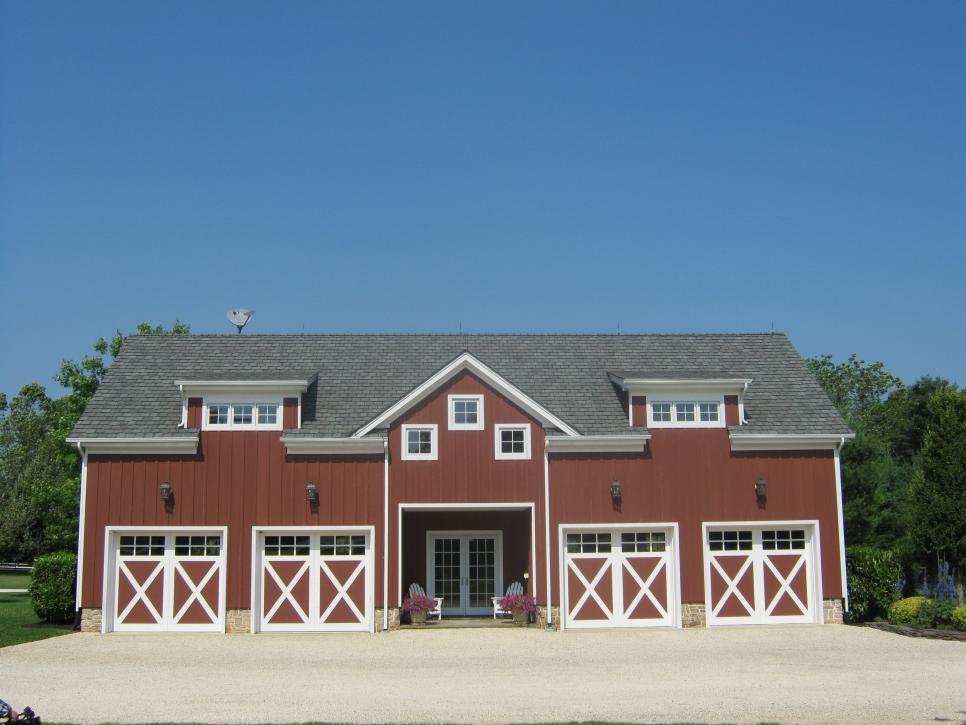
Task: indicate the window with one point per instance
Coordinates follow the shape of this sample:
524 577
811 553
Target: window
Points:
729 540
512 441
685 413
466 412
267 413
590 543
419 443
218 415
243 415
643 541
197 545
141 546
286 546
783 540
342 545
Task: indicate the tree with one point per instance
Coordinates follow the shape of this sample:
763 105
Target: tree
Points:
938 489
857 388
39 471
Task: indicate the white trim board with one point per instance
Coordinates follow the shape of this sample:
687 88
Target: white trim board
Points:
171 445
285 388
648 386
786 442
466 361
302 445
597 444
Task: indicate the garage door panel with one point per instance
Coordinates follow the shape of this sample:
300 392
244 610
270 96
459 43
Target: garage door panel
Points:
197 592
627 583
286 594
786 585
733 586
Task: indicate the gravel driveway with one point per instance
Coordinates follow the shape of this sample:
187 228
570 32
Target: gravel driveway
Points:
736 674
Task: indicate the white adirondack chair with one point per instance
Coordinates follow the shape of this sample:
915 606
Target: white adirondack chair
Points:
514 588
417 590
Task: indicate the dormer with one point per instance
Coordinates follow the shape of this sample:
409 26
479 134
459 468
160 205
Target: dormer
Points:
686 402
242 405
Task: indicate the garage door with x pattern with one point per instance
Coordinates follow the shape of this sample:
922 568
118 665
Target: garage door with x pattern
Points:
760 575
168 581
619 578
315 582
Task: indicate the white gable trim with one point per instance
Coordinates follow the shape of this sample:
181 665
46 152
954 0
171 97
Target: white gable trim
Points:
466 362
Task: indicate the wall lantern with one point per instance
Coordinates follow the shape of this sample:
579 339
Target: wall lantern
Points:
166 492
615 491
761 491
312 493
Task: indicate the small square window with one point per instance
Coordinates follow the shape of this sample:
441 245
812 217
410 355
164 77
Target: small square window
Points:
512 441
708 412
242 414
217 415
466 412
419 442
661 412
685 412
267 413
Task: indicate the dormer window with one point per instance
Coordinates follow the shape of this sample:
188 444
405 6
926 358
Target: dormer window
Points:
683 412
466 412
242 415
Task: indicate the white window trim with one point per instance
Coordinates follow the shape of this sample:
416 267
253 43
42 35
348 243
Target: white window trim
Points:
243 400
453 425
498 450
687 398
434 439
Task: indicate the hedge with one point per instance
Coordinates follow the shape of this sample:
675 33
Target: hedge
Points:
906 611
959 617
52 586
873 574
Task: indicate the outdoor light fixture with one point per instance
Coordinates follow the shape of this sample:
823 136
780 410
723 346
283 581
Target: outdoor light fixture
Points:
761 491
615 491
166 492
312 492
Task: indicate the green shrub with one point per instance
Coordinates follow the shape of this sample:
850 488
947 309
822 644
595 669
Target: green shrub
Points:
906 610
959 617
52 586
873 574
936 613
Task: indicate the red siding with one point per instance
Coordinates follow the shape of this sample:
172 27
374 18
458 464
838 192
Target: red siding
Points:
731 410
238 480
639 405
466 471
690 477
194 412
290 413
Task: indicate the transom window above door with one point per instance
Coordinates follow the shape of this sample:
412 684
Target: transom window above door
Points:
512 441
466 412
419 443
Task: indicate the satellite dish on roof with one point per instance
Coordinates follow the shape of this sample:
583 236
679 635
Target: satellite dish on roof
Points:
240 317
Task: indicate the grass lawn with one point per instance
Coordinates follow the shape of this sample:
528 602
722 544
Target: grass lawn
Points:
19 623
14 581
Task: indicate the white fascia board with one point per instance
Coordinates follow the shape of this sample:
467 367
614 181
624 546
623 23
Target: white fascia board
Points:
597 444
157 446
466 362
199 388
296 445
785 442
645 386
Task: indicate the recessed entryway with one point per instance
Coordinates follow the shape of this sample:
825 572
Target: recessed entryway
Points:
465 568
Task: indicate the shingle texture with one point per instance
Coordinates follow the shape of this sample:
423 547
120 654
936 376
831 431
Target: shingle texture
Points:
359 376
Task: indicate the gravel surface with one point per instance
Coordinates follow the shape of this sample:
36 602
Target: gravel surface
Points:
784 674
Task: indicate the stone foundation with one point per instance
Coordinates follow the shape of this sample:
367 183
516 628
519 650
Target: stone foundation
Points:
692 614
238 621
90 620
541 619
393 619
834 611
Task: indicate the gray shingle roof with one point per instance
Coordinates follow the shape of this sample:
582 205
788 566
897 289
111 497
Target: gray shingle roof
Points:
359 376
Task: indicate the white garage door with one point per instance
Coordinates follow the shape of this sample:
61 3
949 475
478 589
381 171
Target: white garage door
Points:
620 577
761 574
315 581
167 580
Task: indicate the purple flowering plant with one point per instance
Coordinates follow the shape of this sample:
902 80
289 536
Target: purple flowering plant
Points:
419 603
521 602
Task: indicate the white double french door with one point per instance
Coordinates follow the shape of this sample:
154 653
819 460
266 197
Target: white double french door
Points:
465 569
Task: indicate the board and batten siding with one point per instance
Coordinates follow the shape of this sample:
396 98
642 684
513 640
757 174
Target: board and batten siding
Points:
690 477
238 480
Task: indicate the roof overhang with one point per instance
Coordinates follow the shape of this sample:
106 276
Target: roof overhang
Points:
466 361
197 388
597 444
173 445
781 442
303 445
649 386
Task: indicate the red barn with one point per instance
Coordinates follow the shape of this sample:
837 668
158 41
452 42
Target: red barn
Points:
304 482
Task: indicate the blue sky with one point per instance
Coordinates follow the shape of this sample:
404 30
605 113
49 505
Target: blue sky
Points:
668 167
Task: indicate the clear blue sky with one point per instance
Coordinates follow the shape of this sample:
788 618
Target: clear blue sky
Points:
713 166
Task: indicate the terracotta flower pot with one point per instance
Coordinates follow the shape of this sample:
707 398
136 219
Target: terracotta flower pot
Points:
418 617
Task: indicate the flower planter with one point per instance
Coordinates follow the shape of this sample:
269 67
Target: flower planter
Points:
521 617
418 617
